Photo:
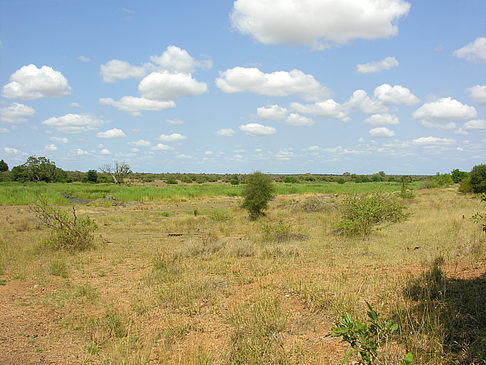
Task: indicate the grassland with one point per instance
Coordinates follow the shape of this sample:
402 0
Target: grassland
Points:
186 278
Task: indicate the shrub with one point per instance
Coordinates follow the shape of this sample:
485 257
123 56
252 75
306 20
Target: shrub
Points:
69 232
478 178
361 212
458 176
257 193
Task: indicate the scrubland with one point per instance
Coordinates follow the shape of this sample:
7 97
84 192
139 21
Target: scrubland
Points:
191 280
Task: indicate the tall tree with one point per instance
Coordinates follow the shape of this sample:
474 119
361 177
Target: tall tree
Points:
118 171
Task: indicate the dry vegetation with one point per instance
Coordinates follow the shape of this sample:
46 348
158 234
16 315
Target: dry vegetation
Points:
197 282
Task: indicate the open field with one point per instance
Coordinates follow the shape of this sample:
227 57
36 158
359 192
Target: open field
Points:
186 278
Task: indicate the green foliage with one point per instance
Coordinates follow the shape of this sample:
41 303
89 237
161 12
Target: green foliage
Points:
480 218
92 176
438 181
38 169
68 231
257 193
360 212
458 176
171 181
478 178
365 338
3 166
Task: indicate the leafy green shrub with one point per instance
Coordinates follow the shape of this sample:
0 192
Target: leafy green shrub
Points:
478 178
458 176
465 186
438 181
480 218
171 180
68 231
361 212
257 193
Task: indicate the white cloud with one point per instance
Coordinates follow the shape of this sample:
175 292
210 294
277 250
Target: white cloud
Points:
395 95
473 52
475 125
75 105
272 112
168 86
51 147
445 110
279 83
174 137
115 70
161 147
134 105
81 152
478 93
298 120
438 125
73 123
225 132
105 151
183 156
140 143
255 129
4 130
111 133
174 121
361 101
433 141
175 59
16 113
382 132
30 82
313 148
310 22
323 109
62 140
84 59
377 66
382 120
12 151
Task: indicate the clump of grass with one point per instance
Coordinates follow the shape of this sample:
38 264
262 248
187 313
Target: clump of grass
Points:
313 295
68 231
58 268
361 212
257 332
315 204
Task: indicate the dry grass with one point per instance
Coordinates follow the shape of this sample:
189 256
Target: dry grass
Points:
166 285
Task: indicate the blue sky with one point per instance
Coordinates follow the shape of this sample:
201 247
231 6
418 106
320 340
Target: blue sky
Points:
281 86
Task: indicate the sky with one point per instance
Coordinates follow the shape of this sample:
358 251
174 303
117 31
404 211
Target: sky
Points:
279 86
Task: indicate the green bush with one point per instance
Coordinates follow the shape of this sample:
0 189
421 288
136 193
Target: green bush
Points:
361 212
477 178
68 231
257 193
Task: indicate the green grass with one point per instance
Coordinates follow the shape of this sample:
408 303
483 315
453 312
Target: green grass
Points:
27 193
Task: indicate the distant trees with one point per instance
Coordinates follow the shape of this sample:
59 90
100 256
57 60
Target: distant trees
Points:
3 166
458 176
118 171
38 169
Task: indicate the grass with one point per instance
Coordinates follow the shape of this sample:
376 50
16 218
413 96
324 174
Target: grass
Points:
164 285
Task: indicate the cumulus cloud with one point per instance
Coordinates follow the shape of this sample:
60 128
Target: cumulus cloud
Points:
134 105
3 130
169 86
395 95
473 52
30 82
111 133
310 22
272 112
323 109
445 110
115 70
476 124
105 151
174 137
256 129
80 152
161 147
377 66
225 132
174 121
51 147
361 101
16 113
175 59
279 83
478 93
140 143
298 120
433 141
84 59
62 140
382 120
12 151
382 132
74 123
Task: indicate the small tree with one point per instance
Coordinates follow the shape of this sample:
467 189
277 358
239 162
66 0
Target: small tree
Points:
92 176
257 193
477 178
3 166
118 171
458 176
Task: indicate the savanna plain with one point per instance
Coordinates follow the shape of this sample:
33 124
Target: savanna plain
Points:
188 278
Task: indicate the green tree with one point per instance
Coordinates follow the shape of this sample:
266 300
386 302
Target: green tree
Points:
477 178
3 166
92 176
257 193
458 176
38 169
118 171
